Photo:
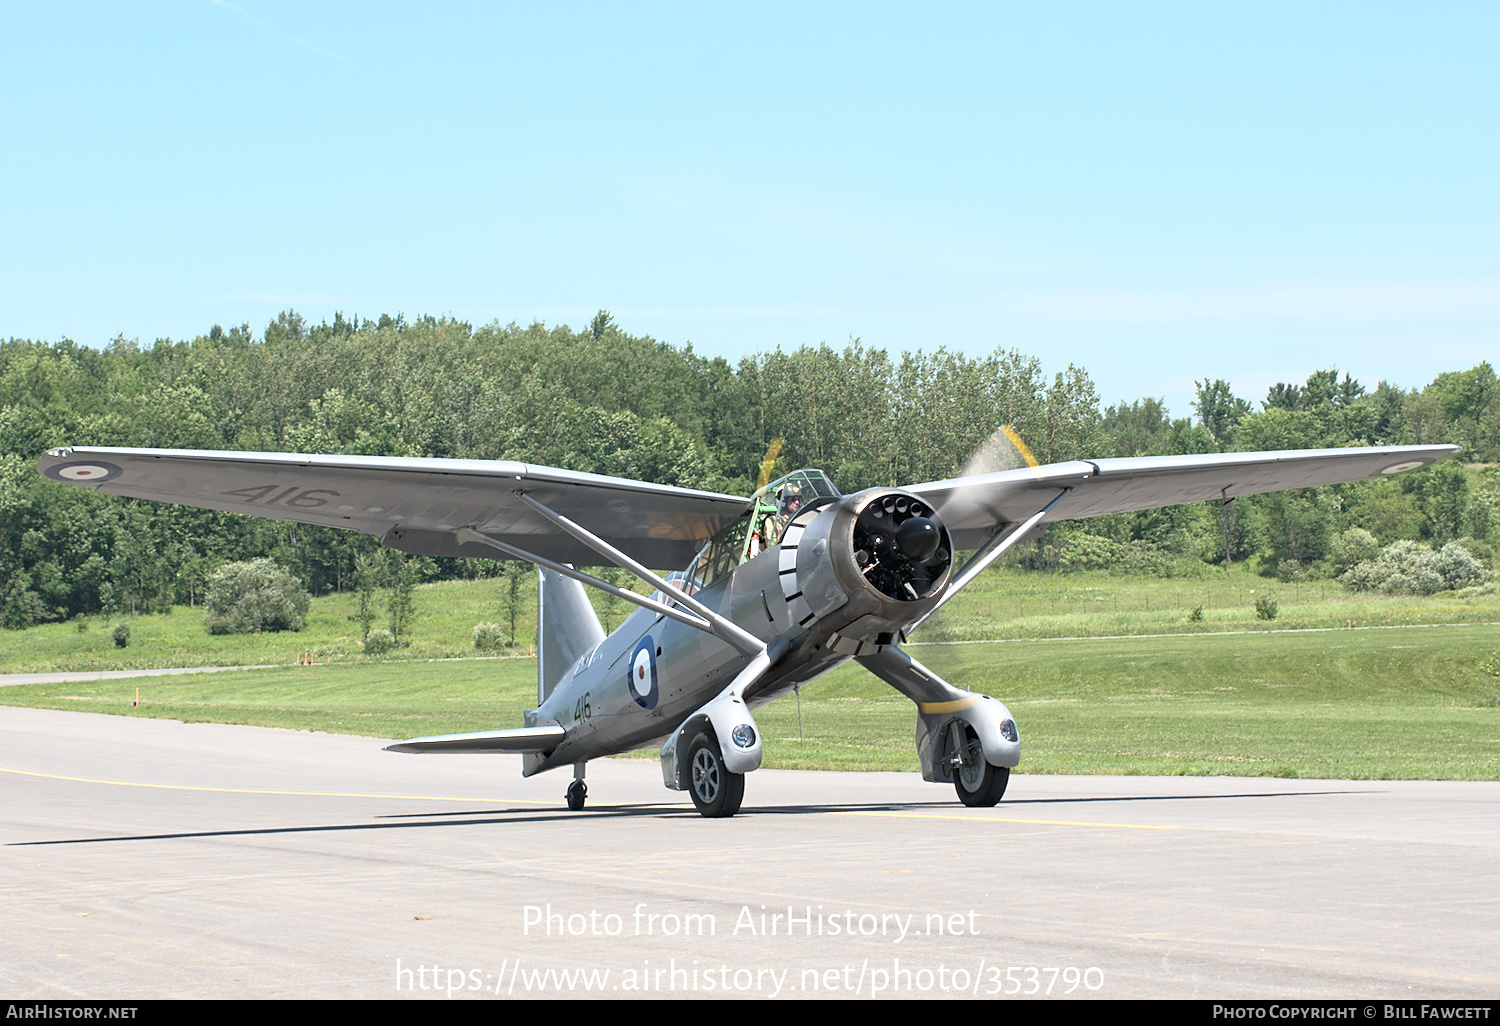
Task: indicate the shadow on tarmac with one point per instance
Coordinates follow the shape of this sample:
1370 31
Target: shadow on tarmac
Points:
493 817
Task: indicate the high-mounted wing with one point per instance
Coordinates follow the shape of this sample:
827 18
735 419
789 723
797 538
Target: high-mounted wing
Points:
416 505
974 508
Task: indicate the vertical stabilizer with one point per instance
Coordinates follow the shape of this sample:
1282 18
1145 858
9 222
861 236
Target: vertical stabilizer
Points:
566 628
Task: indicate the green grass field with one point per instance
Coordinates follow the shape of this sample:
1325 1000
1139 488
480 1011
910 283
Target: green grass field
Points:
1001 604
1394 703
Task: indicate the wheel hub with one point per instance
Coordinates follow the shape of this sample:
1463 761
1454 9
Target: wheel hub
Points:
968 757
705 776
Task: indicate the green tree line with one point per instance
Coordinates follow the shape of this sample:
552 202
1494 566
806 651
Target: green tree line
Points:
605 401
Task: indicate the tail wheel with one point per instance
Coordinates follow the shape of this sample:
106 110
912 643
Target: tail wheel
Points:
979 785
716 791
578 791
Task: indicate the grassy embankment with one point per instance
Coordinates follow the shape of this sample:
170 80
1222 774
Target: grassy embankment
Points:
1000 605
1411 702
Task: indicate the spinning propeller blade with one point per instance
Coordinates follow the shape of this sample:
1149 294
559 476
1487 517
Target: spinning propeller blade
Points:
1003 450
773 451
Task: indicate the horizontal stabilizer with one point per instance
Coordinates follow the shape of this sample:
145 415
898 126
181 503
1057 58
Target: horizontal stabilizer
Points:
521 739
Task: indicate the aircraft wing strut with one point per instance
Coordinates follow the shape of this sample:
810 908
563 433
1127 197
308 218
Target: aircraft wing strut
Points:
1002 540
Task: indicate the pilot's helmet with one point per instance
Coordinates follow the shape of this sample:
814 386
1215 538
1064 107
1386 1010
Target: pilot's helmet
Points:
790 500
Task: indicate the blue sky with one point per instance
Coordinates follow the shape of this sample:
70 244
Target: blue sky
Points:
1156 192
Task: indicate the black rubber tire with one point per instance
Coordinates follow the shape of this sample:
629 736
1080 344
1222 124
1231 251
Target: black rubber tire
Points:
986 784
716 792
989 792
577 792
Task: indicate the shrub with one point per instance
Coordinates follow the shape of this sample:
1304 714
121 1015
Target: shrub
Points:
403 600
1352 547
1196 615
1458 568
1266 608
19 606
1482 551
379 642
1491 665
1409 568
122 635
1092 552
489 636
246 598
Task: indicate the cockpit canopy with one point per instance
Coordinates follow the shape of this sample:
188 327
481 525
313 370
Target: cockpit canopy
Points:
770 508
800 487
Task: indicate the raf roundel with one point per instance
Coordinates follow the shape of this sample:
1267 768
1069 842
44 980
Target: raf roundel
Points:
643 673
83 472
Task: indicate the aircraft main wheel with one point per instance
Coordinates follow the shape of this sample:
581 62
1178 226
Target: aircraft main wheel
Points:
577 792
716 791
979 785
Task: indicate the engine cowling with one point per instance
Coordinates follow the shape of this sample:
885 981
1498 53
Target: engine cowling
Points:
865 566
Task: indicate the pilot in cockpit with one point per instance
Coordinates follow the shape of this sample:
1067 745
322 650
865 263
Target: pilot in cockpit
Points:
790 503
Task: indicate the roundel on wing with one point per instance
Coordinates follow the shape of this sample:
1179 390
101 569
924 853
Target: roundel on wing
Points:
643 673
83 472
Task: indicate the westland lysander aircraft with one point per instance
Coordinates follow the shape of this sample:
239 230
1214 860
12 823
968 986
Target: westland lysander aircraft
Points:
764 594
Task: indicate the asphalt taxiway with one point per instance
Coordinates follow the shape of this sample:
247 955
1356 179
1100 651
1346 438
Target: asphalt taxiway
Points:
151 858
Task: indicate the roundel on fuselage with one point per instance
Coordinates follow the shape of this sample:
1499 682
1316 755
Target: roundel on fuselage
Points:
643 673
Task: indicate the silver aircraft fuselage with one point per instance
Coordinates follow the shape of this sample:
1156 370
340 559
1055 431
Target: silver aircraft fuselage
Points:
594 700
840 581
